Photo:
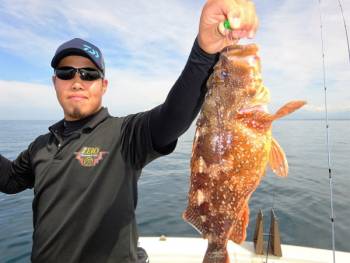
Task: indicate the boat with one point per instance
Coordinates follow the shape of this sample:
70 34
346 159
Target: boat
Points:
266 247
191 250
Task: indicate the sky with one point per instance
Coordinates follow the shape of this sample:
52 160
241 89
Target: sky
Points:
146 45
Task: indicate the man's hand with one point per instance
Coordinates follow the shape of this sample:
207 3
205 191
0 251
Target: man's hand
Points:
213 36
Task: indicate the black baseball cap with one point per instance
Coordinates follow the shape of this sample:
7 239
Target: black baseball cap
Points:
80 47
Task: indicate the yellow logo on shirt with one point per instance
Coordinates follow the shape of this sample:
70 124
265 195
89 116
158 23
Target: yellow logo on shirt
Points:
90 156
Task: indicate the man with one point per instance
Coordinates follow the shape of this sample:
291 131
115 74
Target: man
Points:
85 170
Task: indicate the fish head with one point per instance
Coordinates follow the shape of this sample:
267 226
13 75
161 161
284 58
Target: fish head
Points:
237 78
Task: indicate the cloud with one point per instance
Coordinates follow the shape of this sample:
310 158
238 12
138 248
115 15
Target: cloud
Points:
146 44
166 29
20 100
127 93
291 52
13 93
333 109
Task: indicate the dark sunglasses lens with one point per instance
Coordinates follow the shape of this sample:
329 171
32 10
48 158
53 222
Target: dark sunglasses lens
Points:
89 74
65 73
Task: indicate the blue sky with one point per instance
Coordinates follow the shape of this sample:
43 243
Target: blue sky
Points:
146 45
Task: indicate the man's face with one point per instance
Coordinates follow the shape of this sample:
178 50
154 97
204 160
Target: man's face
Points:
79 98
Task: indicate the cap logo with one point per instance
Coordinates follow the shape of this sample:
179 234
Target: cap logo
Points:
90 50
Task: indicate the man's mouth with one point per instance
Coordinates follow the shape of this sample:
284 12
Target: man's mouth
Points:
77 98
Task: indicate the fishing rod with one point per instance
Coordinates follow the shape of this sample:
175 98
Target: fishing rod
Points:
346 30
327 133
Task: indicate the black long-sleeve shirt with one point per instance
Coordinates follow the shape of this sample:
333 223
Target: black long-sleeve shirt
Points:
172 118
85 173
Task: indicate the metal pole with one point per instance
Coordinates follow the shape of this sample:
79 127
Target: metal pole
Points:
327 133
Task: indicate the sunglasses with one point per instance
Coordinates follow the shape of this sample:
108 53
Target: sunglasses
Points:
89 74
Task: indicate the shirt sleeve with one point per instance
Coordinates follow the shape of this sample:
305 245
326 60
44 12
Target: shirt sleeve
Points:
17 175
148 135
172 118
136 141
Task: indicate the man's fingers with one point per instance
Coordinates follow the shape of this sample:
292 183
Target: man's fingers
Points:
253 19
249 16
242 18
234 17
221 30
232 38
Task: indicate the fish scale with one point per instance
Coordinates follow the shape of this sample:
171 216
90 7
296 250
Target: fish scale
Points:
231 150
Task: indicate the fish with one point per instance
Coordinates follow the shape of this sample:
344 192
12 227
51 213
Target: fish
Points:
232 147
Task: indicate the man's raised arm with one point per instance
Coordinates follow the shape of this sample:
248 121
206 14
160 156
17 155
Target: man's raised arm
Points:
171 119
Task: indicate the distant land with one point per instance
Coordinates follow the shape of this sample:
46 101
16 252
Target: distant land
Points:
298 115
312 115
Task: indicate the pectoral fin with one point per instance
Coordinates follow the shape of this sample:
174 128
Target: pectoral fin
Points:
278 161
288 108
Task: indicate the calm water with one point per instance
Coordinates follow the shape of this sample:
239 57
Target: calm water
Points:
301 201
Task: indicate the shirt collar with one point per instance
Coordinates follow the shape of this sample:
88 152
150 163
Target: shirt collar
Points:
99 117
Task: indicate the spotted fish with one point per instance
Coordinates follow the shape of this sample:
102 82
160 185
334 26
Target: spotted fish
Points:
232 147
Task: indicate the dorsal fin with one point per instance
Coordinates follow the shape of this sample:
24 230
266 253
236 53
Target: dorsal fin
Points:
278 161
289 108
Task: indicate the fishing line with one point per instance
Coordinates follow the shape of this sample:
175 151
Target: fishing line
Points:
327 133
346 30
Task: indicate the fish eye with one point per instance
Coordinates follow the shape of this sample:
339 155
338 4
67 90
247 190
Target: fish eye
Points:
224 74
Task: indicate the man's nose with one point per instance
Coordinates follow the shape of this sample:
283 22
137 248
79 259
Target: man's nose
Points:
77 82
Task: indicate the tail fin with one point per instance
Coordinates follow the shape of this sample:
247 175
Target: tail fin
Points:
288 108
216 254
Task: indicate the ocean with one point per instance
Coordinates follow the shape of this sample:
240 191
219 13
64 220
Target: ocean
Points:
301 201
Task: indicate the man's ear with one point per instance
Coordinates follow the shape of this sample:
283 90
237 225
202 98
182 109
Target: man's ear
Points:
104 85
53 79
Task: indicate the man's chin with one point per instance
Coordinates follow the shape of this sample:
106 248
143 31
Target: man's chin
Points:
75 114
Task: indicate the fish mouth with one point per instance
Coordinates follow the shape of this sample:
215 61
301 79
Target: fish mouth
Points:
255 108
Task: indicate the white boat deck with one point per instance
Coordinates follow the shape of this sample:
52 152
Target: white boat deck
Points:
192 250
